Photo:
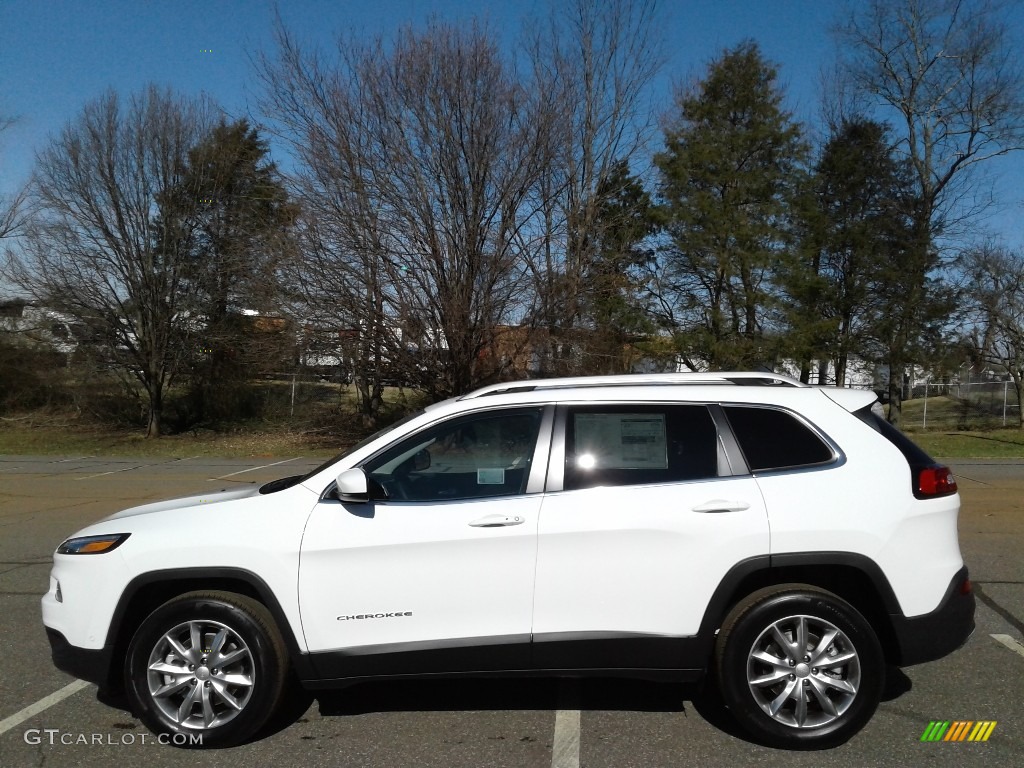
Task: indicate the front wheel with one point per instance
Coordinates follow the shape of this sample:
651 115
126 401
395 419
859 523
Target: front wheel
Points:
206 669
799 667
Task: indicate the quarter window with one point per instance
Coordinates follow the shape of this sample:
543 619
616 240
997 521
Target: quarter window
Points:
775 439
638 444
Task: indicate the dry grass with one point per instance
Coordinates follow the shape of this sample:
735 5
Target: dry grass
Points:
55 434
324 422
47 432
996 444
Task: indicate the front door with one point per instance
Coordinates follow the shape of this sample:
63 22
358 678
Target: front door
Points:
436 572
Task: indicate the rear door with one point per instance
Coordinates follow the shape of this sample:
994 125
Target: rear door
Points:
643 518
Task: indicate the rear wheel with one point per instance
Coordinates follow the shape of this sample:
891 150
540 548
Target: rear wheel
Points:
206 668
799 667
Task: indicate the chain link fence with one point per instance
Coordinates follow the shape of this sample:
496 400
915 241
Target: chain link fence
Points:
311 399
963 406
301 396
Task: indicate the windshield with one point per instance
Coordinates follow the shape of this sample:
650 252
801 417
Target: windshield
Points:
288 482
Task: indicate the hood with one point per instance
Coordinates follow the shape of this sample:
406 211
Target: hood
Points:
187 501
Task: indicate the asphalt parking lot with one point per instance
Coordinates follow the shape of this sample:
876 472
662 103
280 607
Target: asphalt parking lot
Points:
46 718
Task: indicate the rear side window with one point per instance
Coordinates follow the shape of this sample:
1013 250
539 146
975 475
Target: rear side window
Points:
775 439
627 444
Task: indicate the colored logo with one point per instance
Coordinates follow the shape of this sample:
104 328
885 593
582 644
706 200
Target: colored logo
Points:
958 730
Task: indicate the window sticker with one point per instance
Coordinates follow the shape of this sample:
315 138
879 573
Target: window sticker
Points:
490 476
623 440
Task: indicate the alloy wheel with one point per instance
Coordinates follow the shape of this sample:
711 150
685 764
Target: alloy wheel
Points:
200 674
803 671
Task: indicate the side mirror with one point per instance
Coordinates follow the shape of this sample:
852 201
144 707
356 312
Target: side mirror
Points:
421 460
352 485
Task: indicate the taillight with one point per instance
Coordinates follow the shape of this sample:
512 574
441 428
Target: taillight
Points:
934 481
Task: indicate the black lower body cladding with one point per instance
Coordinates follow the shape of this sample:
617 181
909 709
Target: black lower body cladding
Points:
939 633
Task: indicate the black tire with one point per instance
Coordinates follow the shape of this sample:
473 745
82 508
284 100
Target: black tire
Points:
223 704
821 694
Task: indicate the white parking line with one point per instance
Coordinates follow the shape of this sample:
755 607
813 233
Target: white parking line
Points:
55 461
111 472
565 746
43 704
1010 643
252 469
138 466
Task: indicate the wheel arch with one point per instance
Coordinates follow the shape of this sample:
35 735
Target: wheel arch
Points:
147 592
852 577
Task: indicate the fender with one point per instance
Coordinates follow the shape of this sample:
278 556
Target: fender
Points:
204 578
764 570
857 562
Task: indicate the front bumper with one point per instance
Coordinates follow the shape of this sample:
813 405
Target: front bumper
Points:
939 633
93 666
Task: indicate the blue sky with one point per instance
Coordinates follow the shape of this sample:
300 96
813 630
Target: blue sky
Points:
57 54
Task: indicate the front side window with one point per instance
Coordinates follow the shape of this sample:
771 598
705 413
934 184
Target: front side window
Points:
638 444
470 457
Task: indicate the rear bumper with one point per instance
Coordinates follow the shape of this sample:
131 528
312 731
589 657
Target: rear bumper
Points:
93 666
939 633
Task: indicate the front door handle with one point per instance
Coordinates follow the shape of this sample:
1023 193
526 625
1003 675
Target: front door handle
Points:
721 505
497 521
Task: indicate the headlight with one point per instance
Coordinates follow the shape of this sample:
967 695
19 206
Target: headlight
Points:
92 545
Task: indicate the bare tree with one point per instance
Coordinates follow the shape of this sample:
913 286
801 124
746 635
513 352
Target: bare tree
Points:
99 250
416 160
592 65
12 207
948 72
996 296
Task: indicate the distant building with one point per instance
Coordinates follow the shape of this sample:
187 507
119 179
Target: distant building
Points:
24 322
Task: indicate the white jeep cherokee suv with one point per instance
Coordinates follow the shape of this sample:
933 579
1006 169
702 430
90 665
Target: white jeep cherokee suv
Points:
780 540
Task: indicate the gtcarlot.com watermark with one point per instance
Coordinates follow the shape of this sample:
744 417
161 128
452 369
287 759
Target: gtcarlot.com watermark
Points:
55 736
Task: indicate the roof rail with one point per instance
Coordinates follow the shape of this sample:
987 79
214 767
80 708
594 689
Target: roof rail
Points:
737 378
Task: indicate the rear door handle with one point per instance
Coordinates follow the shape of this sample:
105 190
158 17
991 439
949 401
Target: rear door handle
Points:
497 521
721 505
